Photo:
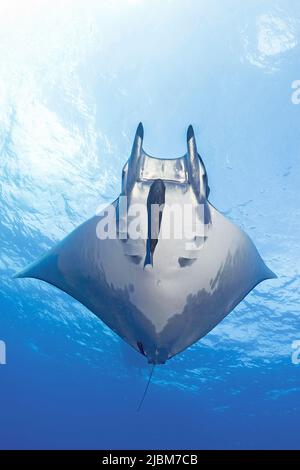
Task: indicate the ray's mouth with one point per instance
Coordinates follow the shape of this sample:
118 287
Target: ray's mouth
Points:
186 170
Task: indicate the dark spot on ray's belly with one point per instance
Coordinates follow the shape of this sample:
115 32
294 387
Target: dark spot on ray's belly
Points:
135 259
184 262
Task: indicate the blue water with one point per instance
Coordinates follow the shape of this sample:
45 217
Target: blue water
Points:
74 82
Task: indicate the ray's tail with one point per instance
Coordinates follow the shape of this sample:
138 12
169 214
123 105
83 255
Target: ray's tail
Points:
146 388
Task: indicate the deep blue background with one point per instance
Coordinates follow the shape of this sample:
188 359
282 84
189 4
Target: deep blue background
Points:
74 82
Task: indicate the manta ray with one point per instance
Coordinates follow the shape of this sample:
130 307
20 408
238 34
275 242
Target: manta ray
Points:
160 293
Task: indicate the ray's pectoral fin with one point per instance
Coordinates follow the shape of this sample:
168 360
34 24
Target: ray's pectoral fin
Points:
44 269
